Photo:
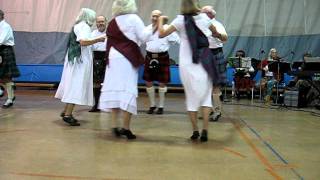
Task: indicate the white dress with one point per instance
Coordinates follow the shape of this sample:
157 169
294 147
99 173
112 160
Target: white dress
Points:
76 86
120 86
196 82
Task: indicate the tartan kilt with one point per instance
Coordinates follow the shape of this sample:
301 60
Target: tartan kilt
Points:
8 67
161 74
99 66
221 64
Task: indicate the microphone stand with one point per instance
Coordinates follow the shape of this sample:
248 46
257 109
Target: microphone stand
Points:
260 87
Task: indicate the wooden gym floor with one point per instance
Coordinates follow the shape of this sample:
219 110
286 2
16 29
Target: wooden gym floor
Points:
248 143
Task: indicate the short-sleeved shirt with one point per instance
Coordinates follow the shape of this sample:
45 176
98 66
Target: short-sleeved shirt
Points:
6 34
156 44
215 42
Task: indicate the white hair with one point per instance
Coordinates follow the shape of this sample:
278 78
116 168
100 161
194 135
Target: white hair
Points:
272 50
87 15
120 7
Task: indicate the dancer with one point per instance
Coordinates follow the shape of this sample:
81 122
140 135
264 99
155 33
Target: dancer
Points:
99 61
77 77
119 92
157 64
198 72
216 45
8 67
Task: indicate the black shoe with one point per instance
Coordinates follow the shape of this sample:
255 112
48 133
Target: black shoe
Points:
195 135
7 105
71 121
94 109
127 133
62 114
204 136
116 132
160 111
151 110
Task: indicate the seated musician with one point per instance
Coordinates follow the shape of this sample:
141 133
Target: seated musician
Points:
267 83
243 78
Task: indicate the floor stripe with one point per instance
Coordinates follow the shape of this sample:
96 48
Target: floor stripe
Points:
277 154
9 131
234 152
63 177
258 153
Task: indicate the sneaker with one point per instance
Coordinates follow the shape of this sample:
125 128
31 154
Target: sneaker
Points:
215 116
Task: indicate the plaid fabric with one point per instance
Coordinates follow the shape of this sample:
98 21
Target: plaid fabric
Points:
200 49
243 83
161 74
74 48
8 67
221 64
99 66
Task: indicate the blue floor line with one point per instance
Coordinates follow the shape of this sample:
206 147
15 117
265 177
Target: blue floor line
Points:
269 146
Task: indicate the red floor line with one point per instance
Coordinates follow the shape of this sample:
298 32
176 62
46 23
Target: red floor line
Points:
234 152
258 153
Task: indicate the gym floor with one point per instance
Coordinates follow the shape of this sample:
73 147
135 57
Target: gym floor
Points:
251 141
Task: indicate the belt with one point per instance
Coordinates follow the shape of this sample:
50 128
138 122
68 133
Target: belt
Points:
2 47
99 55
217 50
157 55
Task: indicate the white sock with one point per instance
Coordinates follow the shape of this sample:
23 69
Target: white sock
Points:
162 96
216 102
151 94
10 90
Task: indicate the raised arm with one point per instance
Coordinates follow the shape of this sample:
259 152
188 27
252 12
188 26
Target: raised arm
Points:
216 34
163 32
92 41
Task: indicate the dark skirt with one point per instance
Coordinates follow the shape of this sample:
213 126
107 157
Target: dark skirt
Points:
99 66
221 64
157 67
8 66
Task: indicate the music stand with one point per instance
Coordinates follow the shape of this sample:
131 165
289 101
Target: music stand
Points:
278 66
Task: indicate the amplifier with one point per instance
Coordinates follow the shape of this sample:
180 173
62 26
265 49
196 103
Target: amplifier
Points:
291 98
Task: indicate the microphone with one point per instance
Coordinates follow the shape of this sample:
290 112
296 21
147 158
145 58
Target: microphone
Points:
293 53
262 52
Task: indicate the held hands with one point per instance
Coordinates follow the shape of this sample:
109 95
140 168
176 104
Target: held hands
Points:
163 19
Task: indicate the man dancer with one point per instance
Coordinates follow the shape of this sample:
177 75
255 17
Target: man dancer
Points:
216 46
157 65
8 67
99 61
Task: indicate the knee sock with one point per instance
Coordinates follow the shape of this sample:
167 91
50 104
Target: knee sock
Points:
151 94
162 96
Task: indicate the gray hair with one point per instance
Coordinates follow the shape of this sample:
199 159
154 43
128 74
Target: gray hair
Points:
272 50
120 7
87 15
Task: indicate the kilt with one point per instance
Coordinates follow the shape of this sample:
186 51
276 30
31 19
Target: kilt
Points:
99 66
162 72
8 67
221 63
